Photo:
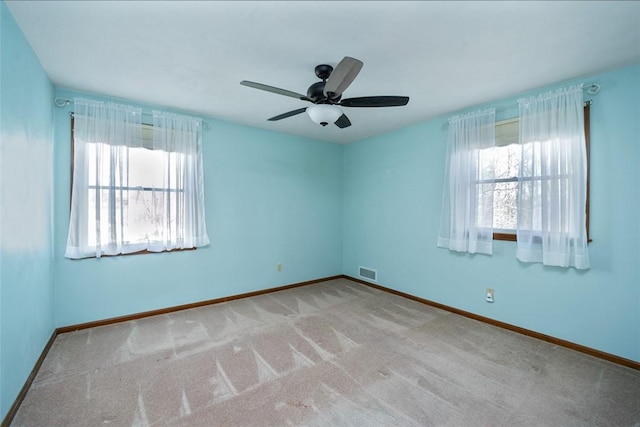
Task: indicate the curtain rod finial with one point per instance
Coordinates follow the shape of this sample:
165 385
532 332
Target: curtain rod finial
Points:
61 102
593 88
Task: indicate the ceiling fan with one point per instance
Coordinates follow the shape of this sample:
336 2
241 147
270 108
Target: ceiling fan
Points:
327 94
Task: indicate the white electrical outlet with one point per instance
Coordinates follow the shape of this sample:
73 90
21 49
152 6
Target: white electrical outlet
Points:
278 267
489 295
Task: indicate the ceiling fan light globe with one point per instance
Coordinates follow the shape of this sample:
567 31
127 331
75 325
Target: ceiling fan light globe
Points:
323 114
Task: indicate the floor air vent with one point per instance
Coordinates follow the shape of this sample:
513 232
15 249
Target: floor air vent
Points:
368 273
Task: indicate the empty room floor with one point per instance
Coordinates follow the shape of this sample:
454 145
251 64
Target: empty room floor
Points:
335 353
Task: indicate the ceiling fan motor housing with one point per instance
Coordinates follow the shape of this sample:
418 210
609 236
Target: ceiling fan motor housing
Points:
316 94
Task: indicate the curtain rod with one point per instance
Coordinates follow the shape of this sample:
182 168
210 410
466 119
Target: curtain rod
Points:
591 88
63 102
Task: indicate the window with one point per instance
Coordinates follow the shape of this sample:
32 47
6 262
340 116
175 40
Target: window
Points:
144 197
535 193
505 157
135 187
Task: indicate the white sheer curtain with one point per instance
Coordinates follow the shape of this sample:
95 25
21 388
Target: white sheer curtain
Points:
466 221
179 140
552 186
134 187
102 133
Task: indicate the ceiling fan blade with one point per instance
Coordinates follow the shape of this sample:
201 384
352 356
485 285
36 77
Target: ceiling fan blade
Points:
375 101
274 90
342 76
343 122
287 114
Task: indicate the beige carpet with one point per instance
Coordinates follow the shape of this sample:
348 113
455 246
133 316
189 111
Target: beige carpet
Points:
331 354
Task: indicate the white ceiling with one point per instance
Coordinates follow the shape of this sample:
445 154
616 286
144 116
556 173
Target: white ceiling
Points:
444 55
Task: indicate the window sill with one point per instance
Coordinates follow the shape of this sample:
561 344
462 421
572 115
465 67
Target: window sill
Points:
508 237
144 252
504 236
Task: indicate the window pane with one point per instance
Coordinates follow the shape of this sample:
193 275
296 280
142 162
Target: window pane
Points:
146 196
146 168
505 194
149 168
151 215
135 167
483 205
505 209
146 215
507 161
103 224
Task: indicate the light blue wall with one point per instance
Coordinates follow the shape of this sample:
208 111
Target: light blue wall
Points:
392 198
319 209
270 198
26 175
